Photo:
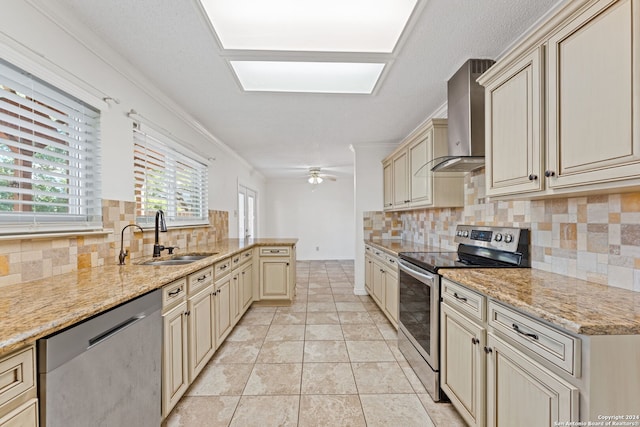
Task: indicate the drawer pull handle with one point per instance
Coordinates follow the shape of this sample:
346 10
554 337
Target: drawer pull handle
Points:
237 260
458 297
475 340
176 292
247 254
517 329
275 251
201 278
223 267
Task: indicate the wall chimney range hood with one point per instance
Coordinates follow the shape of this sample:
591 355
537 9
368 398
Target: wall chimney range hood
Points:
465 111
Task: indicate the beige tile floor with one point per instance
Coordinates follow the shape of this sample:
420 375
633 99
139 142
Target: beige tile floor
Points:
329 359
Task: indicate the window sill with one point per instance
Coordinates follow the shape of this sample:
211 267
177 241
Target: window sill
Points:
55 235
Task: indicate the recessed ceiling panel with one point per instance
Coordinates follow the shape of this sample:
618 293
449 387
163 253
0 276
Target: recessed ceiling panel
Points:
321 77
309 25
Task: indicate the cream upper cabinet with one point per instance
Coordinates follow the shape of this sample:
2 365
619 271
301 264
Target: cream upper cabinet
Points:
387 173
593 95
513 102
408 180
400 180
562 106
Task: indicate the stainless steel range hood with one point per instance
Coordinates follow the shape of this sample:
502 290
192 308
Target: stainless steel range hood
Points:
465 105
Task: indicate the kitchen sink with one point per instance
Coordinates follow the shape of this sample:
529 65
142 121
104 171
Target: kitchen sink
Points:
179 259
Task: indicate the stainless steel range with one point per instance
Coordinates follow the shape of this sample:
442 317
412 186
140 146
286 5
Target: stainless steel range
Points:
419 317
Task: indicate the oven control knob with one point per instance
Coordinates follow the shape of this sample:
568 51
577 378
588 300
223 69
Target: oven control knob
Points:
465 233
508 238
498 237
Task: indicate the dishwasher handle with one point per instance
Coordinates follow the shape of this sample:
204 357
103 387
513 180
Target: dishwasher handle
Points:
112 331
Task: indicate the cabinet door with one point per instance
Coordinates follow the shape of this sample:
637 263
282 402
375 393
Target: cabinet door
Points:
274 278
514 128
463 365
236 297
26 415
175 373
521 392
378 283
391 295
593 104
246 279
201 333
400 181
223 310
368 274
420 184
387 173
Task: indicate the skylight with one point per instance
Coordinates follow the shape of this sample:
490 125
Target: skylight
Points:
310 26
319 77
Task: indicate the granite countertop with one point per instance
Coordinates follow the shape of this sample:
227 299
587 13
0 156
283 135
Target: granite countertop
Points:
575 305
394 246
32 310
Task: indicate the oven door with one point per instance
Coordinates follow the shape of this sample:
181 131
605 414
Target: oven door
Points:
419 310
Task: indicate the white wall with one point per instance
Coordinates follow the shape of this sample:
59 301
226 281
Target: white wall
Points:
60 51
319 217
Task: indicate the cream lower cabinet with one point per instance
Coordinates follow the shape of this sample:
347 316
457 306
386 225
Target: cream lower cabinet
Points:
522 393
368 270
18 384
200 308
175 354
224 312
277 273
463 364
246 286
381 276
577 77
494 382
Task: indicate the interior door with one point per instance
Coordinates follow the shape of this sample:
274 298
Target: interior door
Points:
247 214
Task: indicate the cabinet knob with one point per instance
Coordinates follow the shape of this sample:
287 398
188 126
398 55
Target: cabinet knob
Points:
533 177
488 350
475 340
549 174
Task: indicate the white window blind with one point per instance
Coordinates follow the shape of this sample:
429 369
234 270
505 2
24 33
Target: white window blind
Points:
167 179
49 157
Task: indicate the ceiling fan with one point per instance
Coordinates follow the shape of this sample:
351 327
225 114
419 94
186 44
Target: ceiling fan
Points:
316 176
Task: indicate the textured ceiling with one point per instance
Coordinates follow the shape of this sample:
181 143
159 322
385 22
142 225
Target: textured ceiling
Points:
279 133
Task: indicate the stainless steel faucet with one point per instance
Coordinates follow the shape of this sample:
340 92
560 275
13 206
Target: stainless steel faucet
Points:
161 225
124 254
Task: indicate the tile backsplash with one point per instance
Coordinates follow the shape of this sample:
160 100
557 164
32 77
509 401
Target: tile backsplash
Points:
34 258
595 238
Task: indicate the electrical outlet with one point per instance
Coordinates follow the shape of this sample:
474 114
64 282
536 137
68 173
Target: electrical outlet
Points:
317 248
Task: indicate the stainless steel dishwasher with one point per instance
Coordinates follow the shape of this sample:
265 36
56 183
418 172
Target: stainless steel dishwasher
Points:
104 371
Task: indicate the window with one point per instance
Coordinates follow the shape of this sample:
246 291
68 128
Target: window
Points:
49 157
167 179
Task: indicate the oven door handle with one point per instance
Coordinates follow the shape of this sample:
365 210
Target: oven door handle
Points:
417 273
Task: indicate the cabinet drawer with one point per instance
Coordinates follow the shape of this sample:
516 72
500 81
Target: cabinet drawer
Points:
552 345
222 268
463 299
275 251
17 374
174 293
239 259
199 280
391 261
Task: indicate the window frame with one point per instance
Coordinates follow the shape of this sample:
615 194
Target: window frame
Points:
152 144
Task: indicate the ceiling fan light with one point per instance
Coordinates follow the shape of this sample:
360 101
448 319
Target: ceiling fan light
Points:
315 180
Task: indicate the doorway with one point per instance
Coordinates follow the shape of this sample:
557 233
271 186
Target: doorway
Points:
247 213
